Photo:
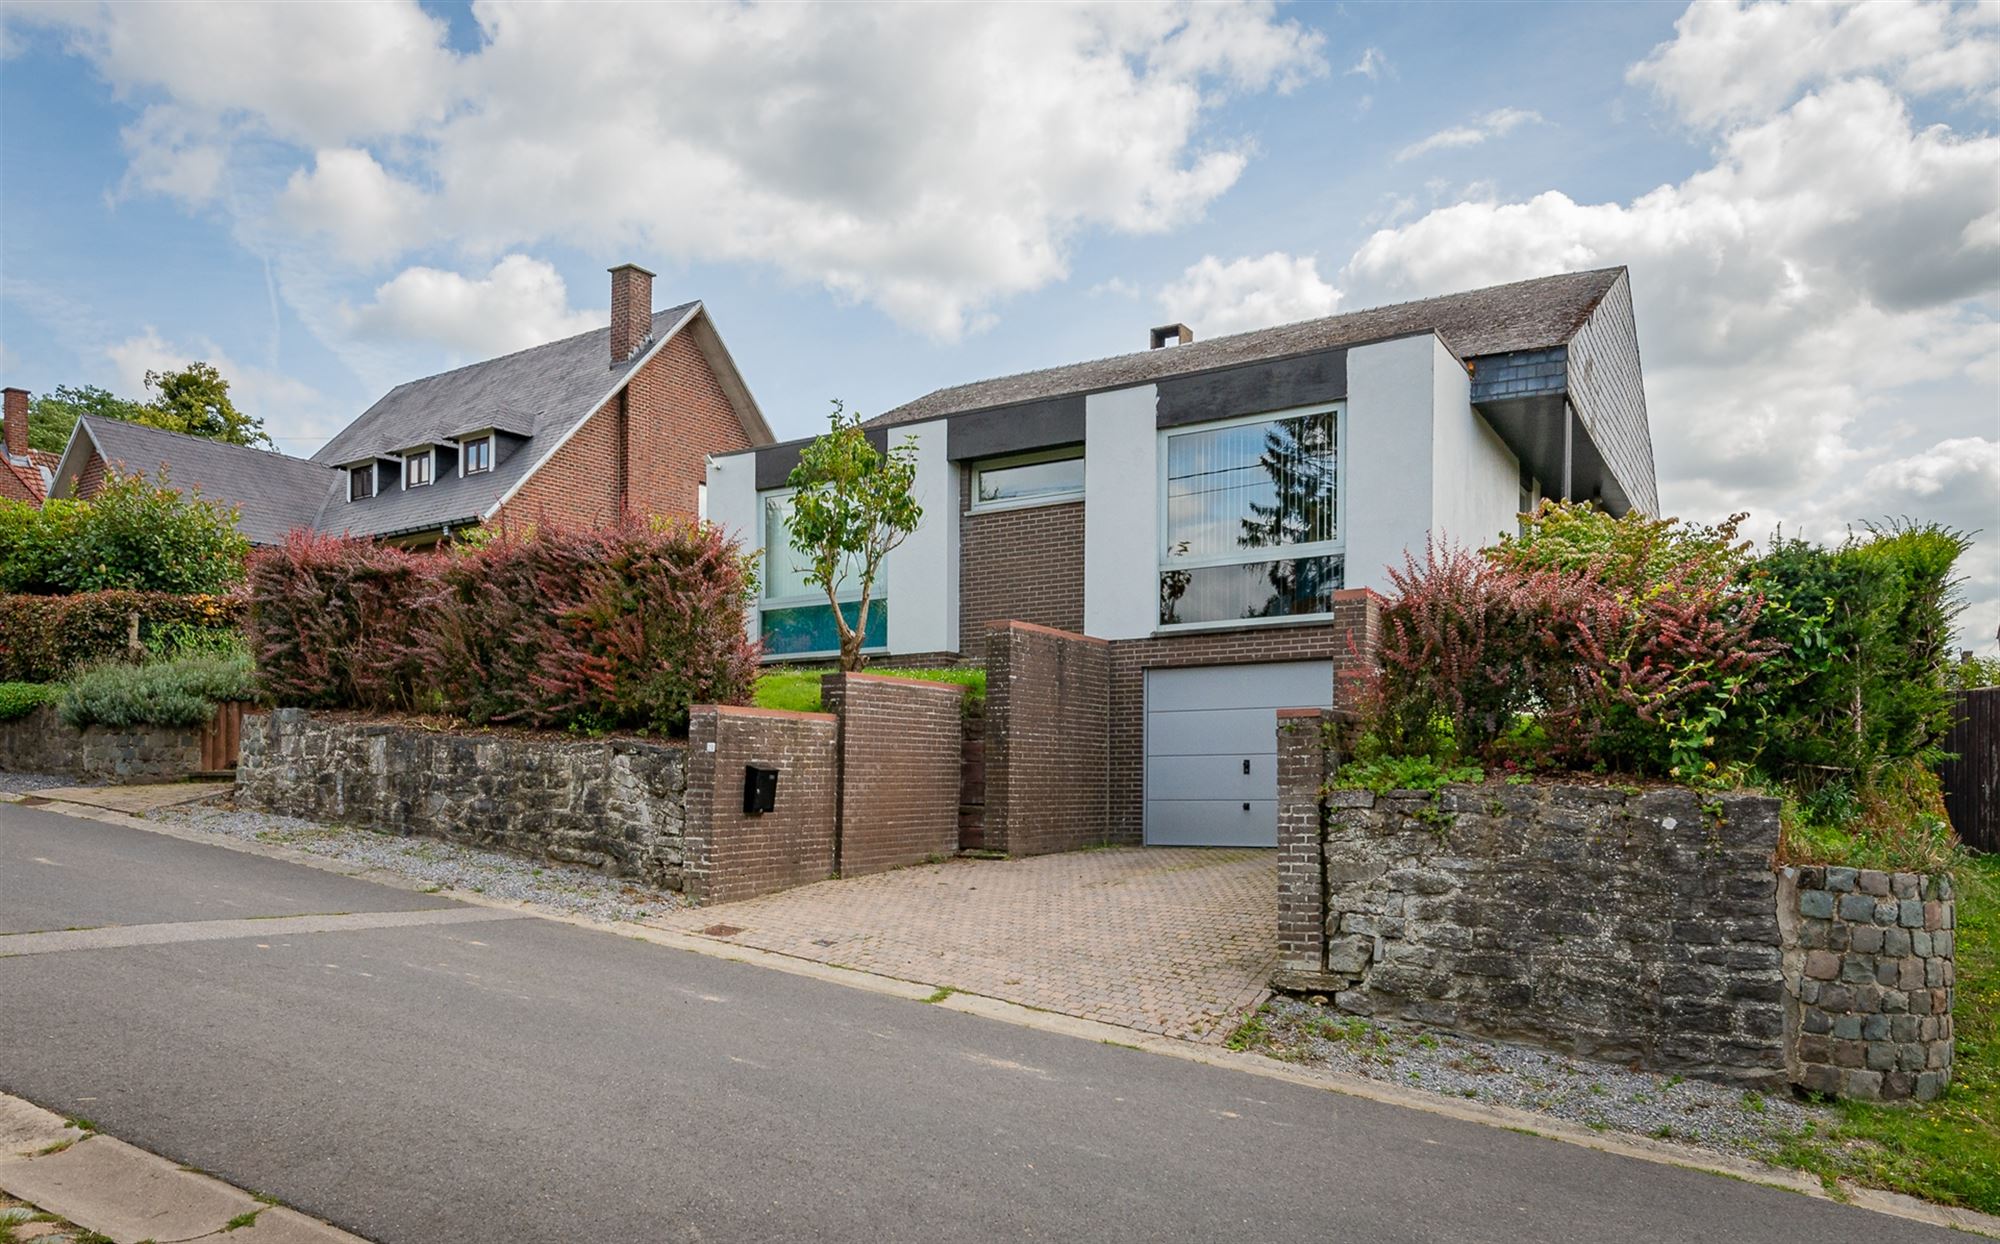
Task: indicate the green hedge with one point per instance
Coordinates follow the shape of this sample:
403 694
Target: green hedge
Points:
18 699
134 535
46 638
180 692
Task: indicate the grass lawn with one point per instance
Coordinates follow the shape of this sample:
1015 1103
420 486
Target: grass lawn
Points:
798 690
1949 1149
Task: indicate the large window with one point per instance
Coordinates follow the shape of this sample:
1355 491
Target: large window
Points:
1251 528
1028 479
797 620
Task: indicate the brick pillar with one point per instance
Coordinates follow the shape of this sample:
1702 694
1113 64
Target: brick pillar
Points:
1303 765
631 310
16 421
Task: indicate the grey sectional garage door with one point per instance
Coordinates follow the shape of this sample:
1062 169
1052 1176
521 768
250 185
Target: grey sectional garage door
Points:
1212 749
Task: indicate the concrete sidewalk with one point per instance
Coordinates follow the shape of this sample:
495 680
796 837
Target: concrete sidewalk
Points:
109 1187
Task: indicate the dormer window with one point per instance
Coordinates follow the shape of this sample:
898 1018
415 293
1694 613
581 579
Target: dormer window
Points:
419 468
361 482
475 456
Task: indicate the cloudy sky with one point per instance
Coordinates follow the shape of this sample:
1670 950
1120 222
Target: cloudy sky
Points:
326 200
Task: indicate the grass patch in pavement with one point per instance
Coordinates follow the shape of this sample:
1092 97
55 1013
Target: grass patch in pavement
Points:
1947 1150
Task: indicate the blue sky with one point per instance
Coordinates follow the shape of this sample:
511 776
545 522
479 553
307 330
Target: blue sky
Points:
327 200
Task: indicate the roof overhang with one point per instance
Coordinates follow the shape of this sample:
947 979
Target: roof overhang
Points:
74 455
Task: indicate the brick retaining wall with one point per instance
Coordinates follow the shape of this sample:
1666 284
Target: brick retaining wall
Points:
901 748
1047 742
733 855
40 743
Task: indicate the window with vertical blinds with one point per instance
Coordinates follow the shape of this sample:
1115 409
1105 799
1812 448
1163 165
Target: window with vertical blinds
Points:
1236 494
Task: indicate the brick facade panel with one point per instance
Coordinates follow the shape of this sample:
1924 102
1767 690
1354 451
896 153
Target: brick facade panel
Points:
901 747
1018 565
731 855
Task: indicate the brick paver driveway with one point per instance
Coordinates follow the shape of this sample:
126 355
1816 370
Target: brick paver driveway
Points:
1169 940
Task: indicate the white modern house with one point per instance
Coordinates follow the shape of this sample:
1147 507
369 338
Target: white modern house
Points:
1219 511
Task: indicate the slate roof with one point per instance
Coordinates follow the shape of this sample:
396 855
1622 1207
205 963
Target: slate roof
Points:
273 493
1524 315
540 393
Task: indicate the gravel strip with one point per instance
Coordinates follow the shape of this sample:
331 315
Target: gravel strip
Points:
26 783
430 861
1598 1095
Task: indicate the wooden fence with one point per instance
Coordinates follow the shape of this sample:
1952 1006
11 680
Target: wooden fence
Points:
1972 782
222 737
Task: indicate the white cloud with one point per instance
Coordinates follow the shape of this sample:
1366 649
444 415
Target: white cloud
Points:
1215 298
1496 124
368 214
1732 62
522 302
281 401
929 161
1371 66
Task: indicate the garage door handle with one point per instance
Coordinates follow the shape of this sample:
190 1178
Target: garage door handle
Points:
1246 766
1246 807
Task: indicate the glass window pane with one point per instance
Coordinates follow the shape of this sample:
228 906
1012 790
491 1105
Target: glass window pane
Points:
1252 486
1030 480
785 568
810 628
1280 589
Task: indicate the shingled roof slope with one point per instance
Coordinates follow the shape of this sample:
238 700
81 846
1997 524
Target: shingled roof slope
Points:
1523 315
274 493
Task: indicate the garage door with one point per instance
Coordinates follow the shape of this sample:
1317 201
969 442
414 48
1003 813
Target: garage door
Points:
1212 749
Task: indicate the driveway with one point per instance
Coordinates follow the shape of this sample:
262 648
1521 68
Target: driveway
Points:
1178 941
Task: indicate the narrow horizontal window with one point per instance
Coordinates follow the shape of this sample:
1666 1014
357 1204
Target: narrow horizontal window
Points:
1247 591
1029 479
809 630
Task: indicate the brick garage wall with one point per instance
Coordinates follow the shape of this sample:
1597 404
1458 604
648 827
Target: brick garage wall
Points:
1047 739
1869 976
1350 640
40 743
615 805
731 855
645 450
1023 565
901 747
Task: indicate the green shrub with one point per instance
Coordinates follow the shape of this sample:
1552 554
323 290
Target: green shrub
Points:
18 699
47 638
180 692
797 691
1386 773
1970 672
134 535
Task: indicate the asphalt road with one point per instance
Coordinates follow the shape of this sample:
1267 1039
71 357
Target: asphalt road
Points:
519 1079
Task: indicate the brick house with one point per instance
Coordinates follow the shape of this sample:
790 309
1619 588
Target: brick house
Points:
24 473
574 432
1222 513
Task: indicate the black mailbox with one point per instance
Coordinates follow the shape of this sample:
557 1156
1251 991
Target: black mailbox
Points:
760 789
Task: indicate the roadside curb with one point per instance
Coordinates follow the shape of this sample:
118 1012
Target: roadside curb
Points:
1508 1118
127 1194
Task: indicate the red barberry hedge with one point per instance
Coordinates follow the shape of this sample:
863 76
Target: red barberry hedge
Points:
619 627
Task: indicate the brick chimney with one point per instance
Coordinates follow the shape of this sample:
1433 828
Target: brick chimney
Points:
16 421
631 310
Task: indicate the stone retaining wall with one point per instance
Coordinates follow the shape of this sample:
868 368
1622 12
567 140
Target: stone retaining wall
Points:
40 743
614 805
1869 973
1647 927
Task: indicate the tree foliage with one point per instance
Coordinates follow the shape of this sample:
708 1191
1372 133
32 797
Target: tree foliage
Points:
52 416
852 504
196 400
135 534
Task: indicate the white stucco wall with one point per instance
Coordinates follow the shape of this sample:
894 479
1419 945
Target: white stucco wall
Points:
1475 478
1121 479
1392 390
732 505
923 570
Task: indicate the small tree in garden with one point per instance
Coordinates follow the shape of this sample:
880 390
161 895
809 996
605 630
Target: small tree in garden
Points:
852 505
